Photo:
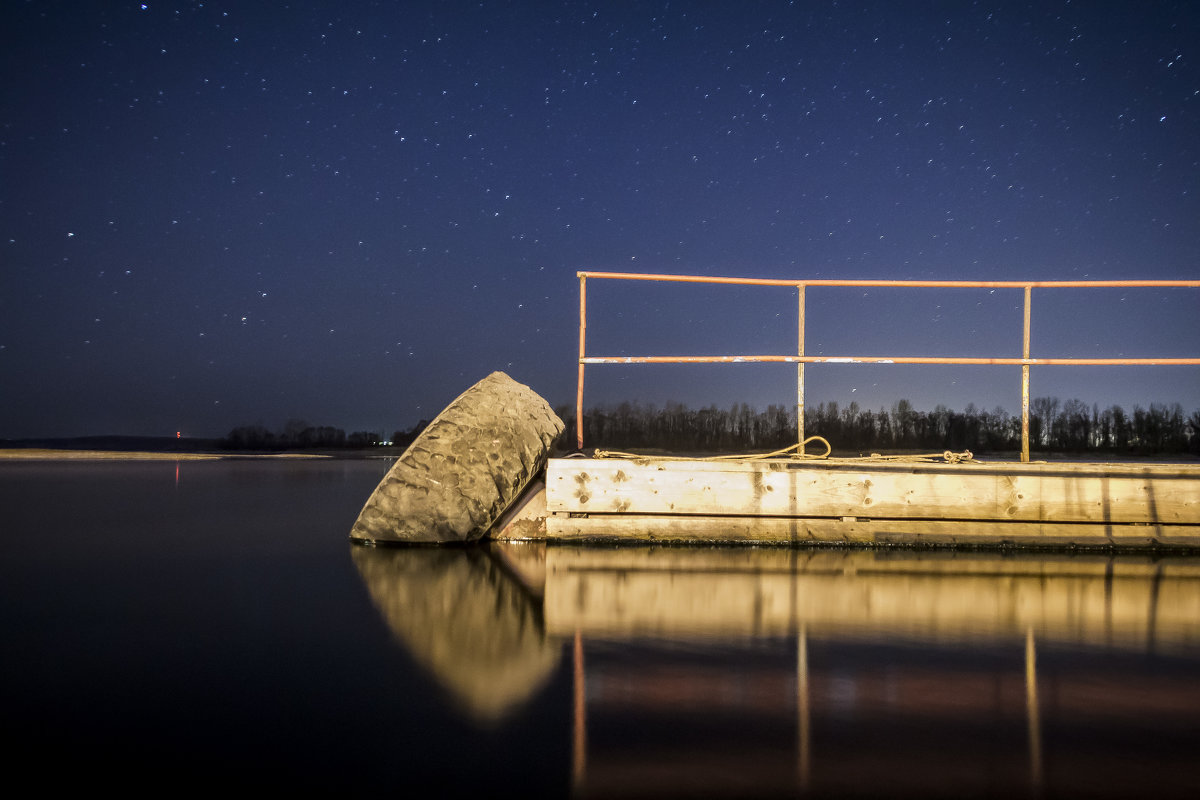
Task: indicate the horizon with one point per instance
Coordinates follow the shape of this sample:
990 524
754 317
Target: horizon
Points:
651 407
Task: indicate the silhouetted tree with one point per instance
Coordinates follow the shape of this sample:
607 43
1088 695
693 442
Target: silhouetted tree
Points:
1055 426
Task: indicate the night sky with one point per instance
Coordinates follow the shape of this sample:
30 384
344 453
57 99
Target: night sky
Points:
216 214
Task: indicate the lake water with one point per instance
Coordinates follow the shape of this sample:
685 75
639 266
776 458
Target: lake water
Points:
207 625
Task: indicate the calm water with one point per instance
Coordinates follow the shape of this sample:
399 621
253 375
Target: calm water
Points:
207 624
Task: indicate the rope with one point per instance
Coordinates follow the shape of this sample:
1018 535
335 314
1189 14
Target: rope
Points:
793 451
949 457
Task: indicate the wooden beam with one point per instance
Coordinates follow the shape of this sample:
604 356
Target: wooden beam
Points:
1104 494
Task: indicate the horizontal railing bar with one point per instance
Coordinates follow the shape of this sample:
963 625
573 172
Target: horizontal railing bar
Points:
1095 362
633 276
900 284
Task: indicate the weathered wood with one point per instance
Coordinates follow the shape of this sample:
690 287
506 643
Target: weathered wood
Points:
526 517
1105 494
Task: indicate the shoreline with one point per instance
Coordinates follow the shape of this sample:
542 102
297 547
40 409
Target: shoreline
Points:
49 454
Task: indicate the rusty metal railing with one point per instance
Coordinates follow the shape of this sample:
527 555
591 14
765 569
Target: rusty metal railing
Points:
800 358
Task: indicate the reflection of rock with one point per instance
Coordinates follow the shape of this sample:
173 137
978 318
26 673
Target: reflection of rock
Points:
464 620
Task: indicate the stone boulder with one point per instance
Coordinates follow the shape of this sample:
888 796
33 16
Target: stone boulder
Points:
465 469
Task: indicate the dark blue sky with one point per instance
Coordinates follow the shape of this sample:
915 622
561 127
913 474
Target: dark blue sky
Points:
217 214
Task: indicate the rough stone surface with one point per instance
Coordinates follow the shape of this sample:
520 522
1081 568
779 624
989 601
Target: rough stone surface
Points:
465 469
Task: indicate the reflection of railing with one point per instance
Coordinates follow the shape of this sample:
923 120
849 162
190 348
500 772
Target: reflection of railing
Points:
800 359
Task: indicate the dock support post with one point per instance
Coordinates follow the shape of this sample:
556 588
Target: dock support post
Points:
800 375
1025 383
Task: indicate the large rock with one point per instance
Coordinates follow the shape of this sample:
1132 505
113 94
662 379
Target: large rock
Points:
465 469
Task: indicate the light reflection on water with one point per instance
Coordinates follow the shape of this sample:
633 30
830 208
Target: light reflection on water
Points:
768 671
208 623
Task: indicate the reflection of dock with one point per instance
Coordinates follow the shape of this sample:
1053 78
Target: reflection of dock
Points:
926 721
784 501
776 671
851 672
1130 603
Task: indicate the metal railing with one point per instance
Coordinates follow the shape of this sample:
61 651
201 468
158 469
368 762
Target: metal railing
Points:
800 358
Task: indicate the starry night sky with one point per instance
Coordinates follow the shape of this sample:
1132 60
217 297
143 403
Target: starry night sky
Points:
216 213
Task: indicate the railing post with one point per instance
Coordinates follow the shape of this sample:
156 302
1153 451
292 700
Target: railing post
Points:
582 353
800 372
1025 382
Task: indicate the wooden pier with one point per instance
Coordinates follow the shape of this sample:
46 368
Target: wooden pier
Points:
866 501
853 501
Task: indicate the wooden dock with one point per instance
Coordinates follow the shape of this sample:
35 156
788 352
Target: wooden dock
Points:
856 501
860 501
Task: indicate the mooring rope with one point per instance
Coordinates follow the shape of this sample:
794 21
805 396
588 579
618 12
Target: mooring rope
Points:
949 457
793 452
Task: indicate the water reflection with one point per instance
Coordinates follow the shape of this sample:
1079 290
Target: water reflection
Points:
1132 603
464 620
764 671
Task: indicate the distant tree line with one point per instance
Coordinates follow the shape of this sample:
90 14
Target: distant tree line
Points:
300 435
1054 426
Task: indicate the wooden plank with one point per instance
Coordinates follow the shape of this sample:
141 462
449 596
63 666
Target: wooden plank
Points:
1106 494
526 518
